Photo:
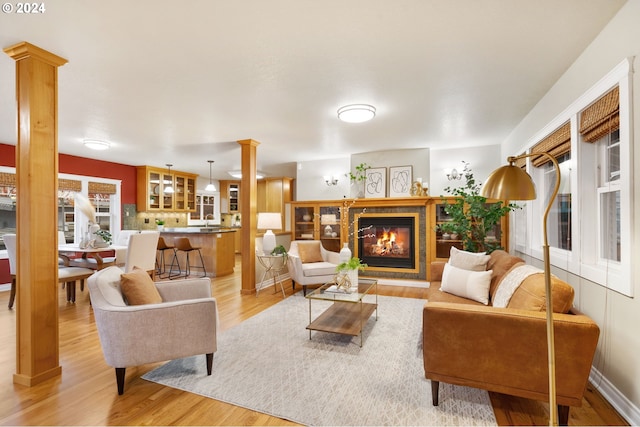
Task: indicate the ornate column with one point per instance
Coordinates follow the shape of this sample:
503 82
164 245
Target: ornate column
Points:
249 209
37 345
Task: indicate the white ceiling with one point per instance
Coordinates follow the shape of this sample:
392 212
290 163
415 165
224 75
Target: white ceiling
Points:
180 82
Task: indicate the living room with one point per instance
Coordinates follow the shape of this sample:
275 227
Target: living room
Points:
609 302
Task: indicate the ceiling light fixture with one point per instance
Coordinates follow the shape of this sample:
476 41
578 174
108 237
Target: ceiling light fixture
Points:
210 186
356 113
169 188
238 174
96 144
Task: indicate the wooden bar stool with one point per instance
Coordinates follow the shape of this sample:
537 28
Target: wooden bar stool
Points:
182 244
161 265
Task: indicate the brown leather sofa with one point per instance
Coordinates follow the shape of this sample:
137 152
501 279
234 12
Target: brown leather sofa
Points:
505 349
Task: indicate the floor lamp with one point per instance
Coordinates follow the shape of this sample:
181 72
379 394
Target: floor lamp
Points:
513 183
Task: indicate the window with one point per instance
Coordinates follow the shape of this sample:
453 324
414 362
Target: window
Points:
590 224
207 210
609 196
103 193
559 226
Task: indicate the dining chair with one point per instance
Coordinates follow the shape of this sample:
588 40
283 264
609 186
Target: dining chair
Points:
67 276
141 252
10 243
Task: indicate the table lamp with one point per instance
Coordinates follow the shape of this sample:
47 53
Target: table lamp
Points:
269 221
513 183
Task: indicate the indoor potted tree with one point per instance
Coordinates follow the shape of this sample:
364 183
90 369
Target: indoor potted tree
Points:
472 217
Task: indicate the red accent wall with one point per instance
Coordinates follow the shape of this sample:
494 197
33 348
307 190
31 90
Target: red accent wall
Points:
88 167
77 166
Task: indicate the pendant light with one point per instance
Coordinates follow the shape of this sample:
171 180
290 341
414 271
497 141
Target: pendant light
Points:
210 186
169 188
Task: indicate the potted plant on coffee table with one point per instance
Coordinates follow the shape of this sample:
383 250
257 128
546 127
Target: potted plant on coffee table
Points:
347 274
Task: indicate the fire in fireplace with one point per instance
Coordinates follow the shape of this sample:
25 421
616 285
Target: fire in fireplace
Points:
387 241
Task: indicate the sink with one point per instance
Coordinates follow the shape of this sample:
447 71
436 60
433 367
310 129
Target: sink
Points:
209 229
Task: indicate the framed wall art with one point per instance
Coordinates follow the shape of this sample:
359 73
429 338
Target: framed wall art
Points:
400 179
375 184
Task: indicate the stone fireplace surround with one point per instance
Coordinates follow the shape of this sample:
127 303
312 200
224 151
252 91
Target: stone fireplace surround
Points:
402 206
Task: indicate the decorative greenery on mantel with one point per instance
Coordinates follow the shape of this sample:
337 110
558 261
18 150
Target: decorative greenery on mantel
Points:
360 175
472 218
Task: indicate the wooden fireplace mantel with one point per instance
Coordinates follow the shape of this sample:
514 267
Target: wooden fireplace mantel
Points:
433 247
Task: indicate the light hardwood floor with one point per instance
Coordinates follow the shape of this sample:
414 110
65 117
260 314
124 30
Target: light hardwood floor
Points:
86 392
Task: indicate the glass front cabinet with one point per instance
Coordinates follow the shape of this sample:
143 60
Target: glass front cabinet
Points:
440 240
151 184
318 221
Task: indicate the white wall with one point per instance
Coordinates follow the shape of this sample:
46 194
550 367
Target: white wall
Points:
310 184
482 161
617 358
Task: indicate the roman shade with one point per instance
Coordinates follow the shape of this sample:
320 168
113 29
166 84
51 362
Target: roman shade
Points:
556 144
602 117
101 188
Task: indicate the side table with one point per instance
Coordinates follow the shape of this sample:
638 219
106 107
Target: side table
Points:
273 265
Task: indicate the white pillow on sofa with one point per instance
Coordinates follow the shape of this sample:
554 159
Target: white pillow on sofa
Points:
468 260
473 285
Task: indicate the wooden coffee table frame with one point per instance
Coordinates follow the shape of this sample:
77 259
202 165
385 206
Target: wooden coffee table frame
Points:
348 313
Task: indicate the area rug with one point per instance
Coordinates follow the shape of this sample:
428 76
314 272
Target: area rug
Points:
269 364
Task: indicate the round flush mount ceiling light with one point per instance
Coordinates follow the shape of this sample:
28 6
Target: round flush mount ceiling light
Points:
96 144
356 113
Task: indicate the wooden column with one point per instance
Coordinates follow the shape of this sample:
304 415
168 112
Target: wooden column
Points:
249 210
37 346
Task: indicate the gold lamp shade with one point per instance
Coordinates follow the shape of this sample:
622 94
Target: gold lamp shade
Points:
509 183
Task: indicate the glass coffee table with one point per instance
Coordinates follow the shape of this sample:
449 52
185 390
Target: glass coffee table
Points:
348 313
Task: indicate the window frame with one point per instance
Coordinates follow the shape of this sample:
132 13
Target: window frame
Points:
80 221
613 275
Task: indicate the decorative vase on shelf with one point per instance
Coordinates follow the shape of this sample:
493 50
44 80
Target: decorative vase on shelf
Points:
345 253
306 217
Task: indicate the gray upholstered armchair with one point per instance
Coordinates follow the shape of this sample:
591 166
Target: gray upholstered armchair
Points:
183 324
311 264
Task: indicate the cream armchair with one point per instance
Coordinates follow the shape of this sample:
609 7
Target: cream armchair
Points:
311 264
183 324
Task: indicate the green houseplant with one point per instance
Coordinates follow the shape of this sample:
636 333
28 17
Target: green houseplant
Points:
472 218
359 177
280 250
347 273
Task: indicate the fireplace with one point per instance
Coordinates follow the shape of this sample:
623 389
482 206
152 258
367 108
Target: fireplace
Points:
387 241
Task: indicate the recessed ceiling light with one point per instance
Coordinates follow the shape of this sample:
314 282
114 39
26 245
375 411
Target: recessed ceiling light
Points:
356 113
96 144
238 174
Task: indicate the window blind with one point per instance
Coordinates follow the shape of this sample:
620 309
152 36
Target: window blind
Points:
556 144
602 117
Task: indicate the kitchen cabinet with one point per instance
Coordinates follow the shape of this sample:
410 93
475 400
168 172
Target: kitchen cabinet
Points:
229 196
151 185
272 195
318 221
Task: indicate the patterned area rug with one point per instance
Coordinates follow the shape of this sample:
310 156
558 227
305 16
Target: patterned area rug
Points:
268 364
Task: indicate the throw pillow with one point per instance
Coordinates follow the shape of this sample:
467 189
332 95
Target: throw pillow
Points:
309 252
531 294
138 288
469 284
468 260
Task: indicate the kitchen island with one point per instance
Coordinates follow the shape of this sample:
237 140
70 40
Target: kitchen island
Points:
216 245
